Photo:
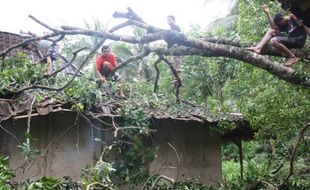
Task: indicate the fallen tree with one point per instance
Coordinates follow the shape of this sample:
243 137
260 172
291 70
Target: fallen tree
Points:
178 44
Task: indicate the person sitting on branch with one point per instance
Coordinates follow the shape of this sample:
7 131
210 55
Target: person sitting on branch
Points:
47 51
286 32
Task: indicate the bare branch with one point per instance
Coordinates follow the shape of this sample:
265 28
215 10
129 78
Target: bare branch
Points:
43 24
88 57
130 59
292 156
176 75
161 177
68 63
157 74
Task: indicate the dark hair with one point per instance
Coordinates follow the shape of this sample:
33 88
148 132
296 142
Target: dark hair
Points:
25 45
104 47
171 16
277 18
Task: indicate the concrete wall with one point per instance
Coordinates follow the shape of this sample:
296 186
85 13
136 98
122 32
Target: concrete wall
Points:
66 147
198 148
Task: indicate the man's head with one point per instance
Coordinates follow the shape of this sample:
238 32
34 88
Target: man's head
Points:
170 20
105 50
280 19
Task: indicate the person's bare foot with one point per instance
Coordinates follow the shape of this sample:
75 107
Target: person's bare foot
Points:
291 61
255 49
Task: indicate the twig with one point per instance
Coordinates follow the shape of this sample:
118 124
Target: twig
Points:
277 169
8 132
68 62
270 185
88 57
98 183
161 177
77 119
178 157
132 58
43 24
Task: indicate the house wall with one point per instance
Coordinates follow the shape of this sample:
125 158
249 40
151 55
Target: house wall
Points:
66 148
198 149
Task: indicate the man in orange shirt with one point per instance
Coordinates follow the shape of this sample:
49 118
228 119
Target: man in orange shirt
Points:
105 64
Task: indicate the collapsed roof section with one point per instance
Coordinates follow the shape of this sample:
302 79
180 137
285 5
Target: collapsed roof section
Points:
19 108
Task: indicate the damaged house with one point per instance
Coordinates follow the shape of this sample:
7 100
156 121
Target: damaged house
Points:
189 139
189 143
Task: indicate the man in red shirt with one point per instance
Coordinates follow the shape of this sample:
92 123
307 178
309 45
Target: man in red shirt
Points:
105 63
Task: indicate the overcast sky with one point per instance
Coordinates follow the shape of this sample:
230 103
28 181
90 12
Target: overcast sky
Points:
14 13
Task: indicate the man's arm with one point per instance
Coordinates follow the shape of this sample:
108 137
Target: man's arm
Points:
266 11
102 78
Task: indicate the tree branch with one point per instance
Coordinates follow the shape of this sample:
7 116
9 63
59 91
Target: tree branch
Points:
130 59
157 74
214 47
268 50
176 75
292 157
43 24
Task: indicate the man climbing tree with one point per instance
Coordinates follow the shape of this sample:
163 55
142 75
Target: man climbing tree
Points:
286 32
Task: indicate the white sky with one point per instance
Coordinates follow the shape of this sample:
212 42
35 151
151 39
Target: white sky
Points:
14 13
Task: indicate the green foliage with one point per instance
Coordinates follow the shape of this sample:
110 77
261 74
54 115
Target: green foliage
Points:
46 183
83 90
19 71
135 116
26 151
253 22
6 174
100 172
133 156
277 110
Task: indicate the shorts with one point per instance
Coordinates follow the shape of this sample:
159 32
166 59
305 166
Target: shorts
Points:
106 72
292 42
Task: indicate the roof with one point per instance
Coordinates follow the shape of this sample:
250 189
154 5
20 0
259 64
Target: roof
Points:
18 108
8 39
